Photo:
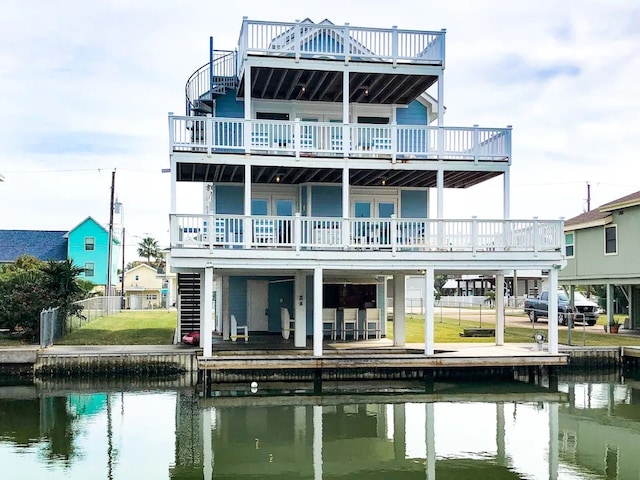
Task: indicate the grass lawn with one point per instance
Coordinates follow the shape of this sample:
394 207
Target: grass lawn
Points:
447 330
130 327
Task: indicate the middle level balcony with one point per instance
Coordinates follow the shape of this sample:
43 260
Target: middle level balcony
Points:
253 236
296 138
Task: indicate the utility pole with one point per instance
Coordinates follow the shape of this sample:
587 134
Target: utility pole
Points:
110 246
122 305
588 197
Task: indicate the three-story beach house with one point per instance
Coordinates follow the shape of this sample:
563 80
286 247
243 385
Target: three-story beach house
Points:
323 160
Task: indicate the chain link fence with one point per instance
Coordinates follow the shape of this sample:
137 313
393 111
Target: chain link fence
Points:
53 327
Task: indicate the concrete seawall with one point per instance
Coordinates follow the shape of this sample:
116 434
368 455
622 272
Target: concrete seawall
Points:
170 359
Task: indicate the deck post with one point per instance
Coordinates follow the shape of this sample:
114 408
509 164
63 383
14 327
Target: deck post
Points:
207 312
247 227
553 309
399 335
300 332
499 296
429 311
317 312
247 110
346 234
506 196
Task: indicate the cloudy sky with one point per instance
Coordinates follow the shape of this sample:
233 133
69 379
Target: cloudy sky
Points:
85 88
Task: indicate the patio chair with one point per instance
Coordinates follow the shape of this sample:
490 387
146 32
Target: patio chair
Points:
350 323
371 323
235 328
330 322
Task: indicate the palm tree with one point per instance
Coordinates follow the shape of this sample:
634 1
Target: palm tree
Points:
147 248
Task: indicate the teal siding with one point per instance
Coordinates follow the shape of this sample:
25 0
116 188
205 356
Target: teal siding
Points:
238 299
413 204
229 200
326 201
280 295
414 114
99 256
228 106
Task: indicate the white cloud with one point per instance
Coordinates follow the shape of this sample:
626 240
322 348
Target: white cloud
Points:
99 78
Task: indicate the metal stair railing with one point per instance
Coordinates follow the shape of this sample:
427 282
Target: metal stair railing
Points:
213 78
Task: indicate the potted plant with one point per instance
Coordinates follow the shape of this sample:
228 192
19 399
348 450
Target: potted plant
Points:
613 325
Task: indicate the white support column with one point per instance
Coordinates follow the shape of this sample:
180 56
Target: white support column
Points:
346 234
429 312
399 335
174 181
441 99
226 315
300 299
247 109
317 442
440 193
247 227
206 311
553 310
499 295
506 195
346 133
610 305
317 311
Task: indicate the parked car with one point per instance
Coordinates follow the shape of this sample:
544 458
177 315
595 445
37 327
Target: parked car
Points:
191 338
584 309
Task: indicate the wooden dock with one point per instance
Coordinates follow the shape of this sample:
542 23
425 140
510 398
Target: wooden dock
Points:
377 362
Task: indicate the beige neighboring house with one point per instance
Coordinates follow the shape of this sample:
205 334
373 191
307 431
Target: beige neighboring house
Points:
143 288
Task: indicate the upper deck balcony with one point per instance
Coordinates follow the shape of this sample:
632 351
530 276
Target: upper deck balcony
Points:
343 43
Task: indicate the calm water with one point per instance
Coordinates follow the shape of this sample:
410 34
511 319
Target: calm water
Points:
589 429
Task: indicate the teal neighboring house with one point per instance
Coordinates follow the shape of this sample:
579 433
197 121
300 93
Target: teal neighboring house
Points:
601 248
88 247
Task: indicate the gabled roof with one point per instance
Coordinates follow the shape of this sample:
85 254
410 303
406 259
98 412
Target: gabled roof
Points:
602 214
42 244
140 267
85 221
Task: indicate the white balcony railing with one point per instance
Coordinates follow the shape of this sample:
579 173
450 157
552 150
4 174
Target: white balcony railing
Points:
233 135
346 43
390 234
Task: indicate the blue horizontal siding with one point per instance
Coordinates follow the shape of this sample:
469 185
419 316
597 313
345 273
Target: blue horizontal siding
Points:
414 114
229 106
413 204
229 199
326 201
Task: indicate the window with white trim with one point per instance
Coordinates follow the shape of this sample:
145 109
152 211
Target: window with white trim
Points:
611 240
89 269
569 244
89 243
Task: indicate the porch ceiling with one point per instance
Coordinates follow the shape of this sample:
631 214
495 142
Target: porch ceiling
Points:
218 173
326 86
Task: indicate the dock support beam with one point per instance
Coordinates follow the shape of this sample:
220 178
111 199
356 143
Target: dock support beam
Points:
499 296
429 311
553 310
300 332
206 311
399 336
317 312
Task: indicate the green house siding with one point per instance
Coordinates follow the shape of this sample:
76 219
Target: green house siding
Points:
81 256
590 259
